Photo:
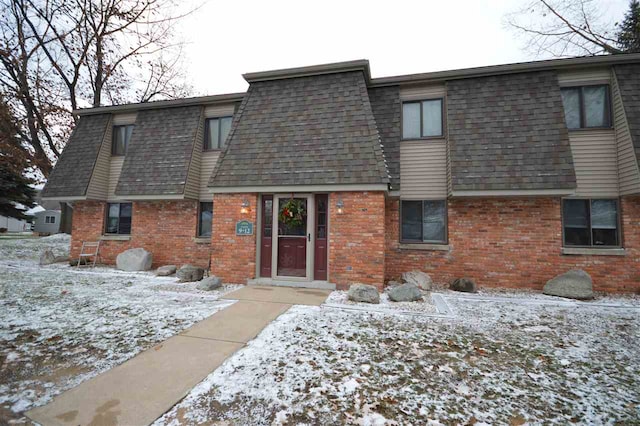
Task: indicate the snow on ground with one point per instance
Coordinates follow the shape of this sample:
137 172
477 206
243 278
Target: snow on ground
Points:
61 325
342 298
496 362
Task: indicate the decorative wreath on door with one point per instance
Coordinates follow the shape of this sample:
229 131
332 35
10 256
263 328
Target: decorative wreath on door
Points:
292 213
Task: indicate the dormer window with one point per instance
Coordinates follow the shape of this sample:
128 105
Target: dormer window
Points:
587 107
422 119
216 131
121 138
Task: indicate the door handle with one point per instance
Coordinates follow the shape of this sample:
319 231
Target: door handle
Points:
309 236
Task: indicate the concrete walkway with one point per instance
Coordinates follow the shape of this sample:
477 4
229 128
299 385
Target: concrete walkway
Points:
145 387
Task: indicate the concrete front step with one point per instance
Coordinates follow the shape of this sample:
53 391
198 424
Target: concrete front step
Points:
320 285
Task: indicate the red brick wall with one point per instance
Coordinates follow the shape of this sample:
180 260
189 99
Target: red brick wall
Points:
357 239
514 243
233 257
165 228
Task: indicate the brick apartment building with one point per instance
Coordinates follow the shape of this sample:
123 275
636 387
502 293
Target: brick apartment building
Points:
508 174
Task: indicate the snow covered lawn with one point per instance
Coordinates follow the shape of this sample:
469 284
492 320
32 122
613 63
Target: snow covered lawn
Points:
496 362
60 326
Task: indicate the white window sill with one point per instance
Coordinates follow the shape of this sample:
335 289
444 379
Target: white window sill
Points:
427 247
115 237
202 240
593 251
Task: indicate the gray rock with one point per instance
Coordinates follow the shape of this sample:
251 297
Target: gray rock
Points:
61 259
135 259
407 292
166 270
47 257
364 293
189 273
210 283
419 278
575 284
394 283
466 285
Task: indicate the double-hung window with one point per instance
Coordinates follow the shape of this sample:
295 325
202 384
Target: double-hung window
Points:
205 216
422 119
215 132
120 139
118 219
587 106
423 221
589 223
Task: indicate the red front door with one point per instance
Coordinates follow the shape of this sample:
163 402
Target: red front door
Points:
292 239
266 236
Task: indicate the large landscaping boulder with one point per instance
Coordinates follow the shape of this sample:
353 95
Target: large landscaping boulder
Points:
189 273
47 257
575 284
210 283
135 259
419 278
465 285
364 293
407 292
166 270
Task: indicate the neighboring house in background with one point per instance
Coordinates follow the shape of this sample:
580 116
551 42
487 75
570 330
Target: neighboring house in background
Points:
46 222
508 174
12 224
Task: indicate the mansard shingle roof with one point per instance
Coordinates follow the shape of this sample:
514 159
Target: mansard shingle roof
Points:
629 80
71 175
314 130
508 133
386 106
160 151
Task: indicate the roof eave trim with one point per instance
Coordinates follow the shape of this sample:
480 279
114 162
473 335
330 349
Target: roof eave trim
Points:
299 188
515 193
200 100
65 198
486 71
333 68
120 197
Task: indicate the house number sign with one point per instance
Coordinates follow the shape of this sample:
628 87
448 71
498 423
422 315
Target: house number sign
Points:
244 227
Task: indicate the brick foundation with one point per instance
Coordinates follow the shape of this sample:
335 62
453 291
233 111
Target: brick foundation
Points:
514 243
357 239
233 257
165 228
511 242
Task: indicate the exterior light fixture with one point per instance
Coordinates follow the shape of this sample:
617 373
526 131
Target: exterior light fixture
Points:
244 208
340 206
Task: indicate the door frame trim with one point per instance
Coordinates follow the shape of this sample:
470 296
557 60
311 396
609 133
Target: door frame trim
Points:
311 215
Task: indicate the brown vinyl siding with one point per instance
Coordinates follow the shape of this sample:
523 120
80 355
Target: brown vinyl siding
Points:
423 169
99 184
595 162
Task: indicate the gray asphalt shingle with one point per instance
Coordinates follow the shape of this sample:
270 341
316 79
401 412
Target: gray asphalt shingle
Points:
386 106
72 173
313 130
508 133
629 81
159 153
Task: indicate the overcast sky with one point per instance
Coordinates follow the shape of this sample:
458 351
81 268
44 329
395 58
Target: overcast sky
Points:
229 38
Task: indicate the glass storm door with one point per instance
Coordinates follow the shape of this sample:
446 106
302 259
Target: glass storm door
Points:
293 238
